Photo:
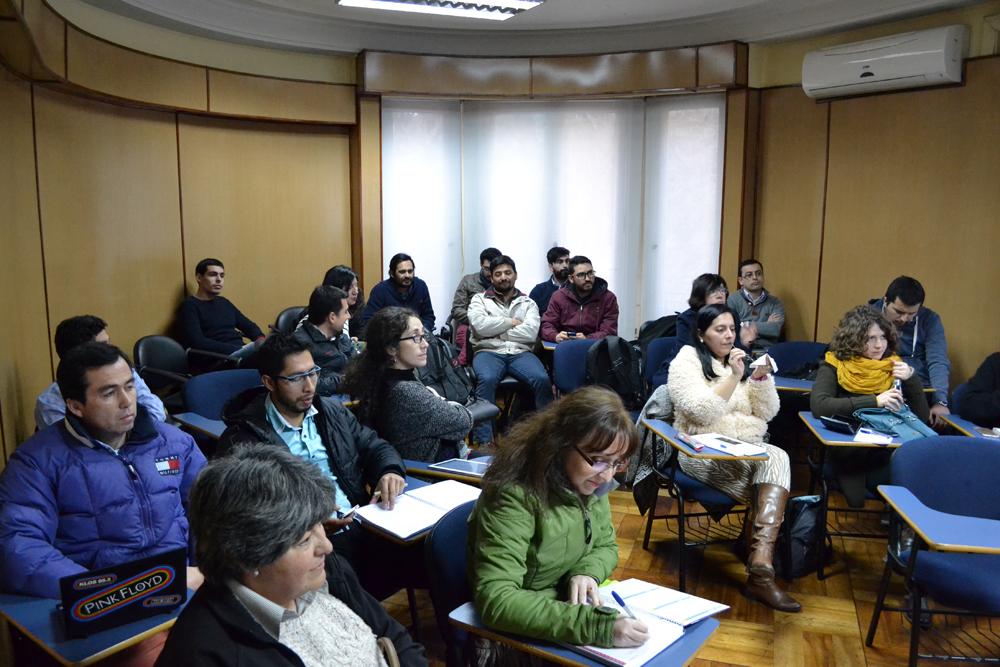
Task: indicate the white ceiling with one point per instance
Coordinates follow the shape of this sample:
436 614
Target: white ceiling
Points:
556 27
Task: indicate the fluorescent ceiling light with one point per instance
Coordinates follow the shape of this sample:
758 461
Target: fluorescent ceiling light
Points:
494 10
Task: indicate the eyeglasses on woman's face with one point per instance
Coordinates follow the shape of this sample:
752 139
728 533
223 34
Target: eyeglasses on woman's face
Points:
417 339
600 465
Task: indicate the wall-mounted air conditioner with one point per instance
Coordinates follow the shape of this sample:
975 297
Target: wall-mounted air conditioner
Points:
908 60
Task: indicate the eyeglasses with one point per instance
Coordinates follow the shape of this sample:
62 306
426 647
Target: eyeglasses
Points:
722 290
417 339
298 378
599 465
588 274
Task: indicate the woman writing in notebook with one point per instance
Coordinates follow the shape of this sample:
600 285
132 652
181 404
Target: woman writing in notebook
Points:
540 536
413 418
713 391
859 371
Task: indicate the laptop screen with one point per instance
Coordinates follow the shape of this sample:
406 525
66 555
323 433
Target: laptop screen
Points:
106 598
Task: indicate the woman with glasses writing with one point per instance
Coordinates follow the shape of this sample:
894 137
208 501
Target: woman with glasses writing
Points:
540 536
420 424
712 393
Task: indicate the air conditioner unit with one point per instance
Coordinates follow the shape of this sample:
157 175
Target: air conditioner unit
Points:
908 60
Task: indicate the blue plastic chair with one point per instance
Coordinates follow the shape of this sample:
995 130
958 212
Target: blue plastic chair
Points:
711 525
956 396
447 565
569 365
945 489
207 394
660 351
794 354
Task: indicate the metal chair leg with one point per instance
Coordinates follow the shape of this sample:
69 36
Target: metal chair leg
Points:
879 601
649 522
411 598
915 608
681 546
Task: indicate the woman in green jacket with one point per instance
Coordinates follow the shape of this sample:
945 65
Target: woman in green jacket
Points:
540 537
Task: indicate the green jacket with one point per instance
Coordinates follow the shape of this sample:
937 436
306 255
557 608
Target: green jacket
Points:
521 557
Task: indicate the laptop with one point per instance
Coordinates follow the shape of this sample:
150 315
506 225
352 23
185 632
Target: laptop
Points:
97 600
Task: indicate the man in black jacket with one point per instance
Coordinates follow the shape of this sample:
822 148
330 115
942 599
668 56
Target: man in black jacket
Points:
323 333
287 412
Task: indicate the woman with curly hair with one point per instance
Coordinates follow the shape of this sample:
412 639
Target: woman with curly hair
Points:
859 371
420 424
541 537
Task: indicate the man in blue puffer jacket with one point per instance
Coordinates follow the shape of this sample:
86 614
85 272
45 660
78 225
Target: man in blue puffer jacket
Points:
105 485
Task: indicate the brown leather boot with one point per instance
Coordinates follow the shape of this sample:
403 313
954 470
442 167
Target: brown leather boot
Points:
769 510
763 589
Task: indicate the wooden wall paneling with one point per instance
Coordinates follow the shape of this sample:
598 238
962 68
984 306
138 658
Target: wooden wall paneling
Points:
733 185
19 54
639 71
25 365
386 73
791 178
48 30
263 97
913 190
271 201
110 218
748 246
722 65
112 70
366 193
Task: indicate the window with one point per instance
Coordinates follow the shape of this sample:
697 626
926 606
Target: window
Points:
635 185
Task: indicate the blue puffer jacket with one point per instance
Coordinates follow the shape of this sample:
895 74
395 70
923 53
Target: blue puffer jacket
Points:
68 504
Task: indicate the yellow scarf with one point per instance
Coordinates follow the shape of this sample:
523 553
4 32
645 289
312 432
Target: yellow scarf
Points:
860 375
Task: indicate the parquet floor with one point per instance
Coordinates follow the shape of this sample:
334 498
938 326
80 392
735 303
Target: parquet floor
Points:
830 629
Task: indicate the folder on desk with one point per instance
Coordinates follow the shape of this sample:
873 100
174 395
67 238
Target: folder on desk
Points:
727 445
419 509
106 598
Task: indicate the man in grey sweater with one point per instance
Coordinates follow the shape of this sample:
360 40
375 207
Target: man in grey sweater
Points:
761 313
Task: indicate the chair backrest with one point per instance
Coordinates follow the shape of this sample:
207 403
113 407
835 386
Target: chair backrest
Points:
447 565
952 474
288 319
569 364
162 353
206 394
956 396
659 351
793 354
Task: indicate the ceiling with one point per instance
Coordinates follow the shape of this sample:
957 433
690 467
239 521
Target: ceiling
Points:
556 27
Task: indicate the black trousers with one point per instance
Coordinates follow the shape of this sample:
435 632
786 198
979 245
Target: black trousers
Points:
382 565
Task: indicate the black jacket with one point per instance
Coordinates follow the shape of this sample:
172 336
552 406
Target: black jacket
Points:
358 457
981 403
216 629
330 355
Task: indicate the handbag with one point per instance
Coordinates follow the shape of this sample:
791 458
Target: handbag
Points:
902 424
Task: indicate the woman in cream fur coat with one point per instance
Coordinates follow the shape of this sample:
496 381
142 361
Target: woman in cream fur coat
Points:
711 393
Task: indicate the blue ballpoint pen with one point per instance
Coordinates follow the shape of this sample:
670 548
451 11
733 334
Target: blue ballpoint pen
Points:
621 602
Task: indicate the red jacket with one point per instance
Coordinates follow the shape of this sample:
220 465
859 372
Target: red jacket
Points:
596 317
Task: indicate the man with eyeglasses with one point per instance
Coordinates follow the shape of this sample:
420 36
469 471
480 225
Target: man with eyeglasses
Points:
287 412
504 324
922 344
582 308
761 314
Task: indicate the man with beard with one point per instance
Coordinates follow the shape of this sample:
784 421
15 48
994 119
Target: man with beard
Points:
504 324
402 289
582 308
558 259
287 412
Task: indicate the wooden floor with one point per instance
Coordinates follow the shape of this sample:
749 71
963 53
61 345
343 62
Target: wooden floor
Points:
830 629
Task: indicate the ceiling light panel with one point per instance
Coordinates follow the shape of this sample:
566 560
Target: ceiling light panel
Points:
496 10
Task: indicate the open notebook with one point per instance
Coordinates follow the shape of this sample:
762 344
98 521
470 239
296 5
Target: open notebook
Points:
418 510
665 612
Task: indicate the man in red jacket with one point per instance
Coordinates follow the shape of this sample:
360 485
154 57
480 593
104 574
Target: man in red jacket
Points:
582 308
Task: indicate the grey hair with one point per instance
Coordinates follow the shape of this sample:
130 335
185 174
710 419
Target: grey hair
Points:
250 507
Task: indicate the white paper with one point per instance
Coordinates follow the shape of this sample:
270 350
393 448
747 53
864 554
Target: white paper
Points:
723 443
765 360
447 494
872 438
419 509
666 603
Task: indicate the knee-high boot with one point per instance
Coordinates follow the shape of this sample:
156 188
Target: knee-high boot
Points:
769 510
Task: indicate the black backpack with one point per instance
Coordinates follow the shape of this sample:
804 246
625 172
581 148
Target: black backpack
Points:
800 547
613 362
658 328
443 373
